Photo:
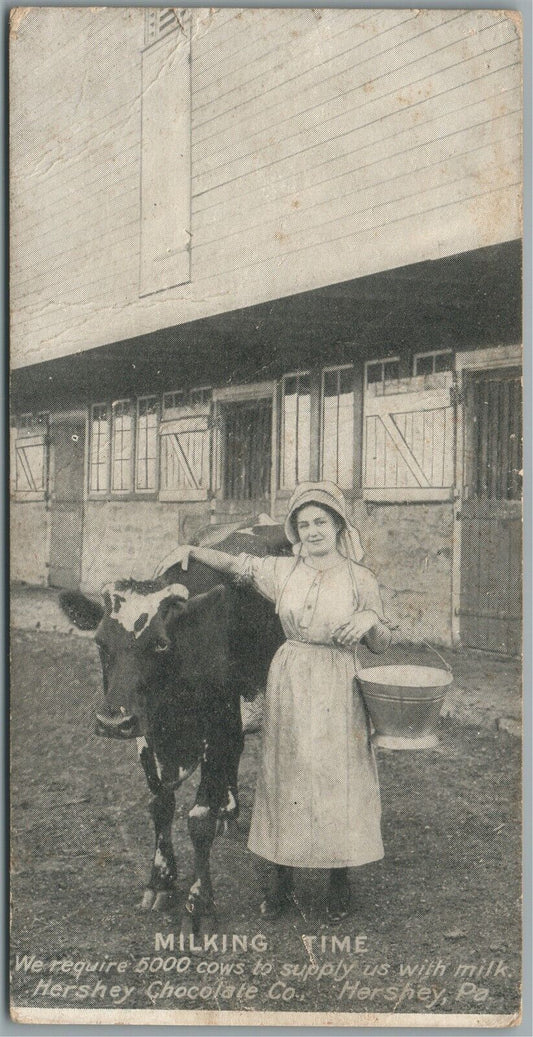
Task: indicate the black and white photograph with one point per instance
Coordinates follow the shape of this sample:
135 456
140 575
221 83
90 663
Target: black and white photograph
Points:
266 434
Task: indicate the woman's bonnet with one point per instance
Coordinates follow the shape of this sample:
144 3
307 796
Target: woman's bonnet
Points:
330 496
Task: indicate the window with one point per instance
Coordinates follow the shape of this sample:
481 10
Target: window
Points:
173 401
176 403
30 464
433 363
338 425
146 444
382 371
124 447
99 449
201 397
296 429
32 424
121 447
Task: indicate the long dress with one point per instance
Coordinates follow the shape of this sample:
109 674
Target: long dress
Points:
317 801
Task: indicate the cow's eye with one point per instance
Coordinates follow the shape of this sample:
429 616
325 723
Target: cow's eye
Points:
161 646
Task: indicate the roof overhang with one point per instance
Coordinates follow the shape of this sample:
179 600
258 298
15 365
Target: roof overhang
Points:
466 301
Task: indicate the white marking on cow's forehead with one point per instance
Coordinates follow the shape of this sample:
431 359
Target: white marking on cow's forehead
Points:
128 606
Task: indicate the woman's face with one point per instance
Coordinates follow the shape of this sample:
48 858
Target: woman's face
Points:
317 529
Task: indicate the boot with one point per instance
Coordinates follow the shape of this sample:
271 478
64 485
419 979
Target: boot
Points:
277 893
338 895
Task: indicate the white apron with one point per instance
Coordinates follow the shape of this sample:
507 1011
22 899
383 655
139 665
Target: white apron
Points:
317 802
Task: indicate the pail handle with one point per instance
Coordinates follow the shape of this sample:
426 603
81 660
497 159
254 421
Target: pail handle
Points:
434 650
431 648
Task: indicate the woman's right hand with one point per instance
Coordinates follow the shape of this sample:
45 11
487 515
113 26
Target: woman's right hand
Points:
179 556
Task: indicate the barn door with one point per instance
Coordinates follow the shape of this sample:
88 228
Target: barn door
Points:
67 442
247 450
491 514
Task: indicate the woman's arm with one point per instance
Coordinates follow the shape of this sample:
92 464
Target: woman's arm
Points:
379 637
367 626
260 573
216 559
225 563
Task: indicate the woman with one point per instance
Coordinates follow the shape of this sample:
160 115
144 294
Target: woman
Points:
317 802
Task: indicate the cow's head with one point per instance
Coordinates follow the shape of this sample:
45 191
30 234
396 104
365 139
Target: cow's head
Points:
147 635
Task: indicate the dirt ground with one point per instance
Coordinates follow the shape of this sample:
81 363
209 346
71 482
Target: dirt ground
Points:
434 926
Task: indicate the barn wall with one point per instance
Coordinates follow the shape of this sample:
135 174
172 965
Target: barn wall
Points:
29 548
408 546
326 145
129 538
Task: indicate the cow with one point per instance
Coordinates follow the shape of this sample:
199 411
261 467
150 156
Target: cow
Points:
177 653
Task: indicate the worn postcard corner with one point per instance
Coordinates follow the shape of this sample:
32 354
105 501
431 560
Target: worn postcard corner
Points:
266 513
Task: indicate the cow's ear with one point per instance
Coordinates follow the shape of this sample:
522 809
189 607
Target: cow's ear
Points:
84 613
195 607
204 602
108 601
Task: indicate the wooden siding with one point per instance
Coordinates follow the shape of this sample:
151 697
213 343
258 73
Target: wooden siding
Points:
74 169
283 162
326 144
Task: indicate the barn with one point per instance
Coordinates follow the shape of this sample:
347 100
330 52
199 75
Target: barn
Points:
255 247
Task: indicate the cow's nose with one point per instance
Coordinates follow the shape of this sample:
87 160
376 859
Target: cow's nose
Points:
119 726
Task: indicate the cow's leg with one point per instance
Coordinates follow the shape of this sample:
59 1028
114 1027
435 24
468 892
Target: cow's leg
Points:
164 871
202 824
229 810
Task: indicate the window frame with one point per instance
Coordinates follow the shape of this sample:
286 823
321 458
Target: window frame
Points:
164 405
281 485
151 492
380 360
118 494
92 493
324 371
433 353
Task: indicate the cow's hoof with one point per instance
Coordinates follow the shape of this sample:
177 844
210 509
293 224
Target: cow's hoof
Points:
148 899
227 827
200 911
191 926
196 925
163 900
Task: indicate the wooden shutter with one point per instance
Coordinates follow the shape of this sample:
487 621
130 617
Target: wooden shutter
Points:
166 163
185 458
159 21
409 439
31 467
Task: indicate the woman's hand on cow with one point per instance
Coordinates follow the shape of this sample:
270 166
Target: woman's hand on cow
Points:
350 633
179 556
